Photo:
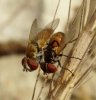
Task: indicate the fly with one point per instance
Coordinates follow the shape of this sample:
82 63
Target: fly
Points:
37 43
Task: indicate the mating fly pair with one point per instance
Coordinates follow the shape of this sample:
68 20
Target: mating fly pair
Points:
44 48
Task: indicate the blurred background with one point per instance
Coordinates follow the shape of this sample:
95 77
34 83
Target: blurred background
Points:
16 17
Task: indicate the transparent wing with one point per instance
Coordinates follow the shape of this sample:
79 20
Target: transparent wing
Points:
34 30
75 25
73 30
53 25
47 31
82 18
36 34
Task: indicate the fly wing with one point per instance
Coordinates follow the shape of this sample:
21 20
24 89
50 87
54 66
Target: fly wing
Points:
82 18
36 34
75 25
48 30
73 29
45 34
33 31
53 25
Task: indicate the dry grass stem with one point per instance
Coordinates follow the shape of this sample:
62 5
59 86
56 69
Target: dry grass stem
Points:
43 85
36 84
81 68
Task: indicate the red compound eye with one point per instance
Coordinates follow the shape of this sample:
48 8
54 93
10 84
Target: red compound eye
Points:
51 68
33 65
48 68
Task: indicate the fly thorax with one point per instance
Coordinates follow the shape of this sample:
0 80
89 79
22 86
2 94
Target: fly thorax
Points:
31 51
41 43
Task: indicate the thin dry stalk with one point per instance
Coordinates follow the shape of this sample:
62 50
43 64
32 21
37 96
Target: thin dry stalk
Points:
43 85
69 11
50 85
36 84
66 82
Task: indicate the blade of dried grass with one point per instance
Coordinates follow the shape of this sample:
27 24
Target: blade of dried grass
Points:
77 23
67 26
74 26
85 65
36 84
69 11
43 85
92 8
79 51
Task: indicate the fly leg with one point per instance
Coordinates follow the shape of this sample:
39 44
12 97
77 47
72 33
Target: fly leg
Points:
71 41
24 64
64 67
69 56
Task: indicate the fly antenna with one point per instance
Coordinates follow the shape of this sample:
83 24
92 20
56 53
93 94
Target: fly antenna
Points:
55 12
